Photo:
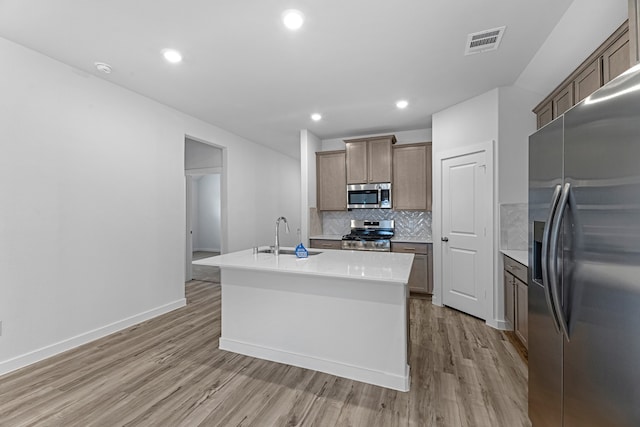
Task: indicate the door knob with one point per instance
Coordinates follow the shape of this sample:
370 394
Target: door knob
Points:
445 239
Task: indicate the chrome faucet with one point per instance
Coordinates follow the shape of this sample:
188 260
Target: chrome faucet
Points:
276 248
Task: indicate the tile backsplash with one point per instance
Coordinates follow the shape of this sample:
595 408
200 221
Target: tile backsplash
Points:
514 226
416 224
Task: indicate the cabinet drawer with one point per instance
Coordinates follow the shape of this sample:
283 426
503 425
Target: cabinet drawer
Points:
515 268
325 244
409 248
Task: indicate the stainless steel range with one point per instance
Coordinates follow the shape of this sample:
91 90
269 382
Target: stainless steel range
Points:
369 236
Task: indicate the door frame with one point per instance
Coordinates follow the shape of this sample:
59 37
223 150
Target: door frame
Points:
223 171
490 191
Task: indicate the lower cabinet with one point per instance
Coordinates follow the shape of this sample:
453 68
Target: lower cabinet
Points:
509 298
516 298
325 244
421 277
522 311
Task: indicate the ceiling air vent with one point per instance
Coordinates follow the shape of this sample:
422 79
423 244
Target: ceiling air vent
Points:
483 41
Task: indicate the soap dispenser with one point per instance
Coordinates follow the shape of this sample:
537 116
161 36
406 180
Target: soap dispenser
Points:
301 251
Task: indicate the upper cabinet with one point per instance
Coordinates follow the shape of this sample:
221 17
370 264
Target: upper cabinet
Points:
369 160
544 114
331 181
588 80
611 59
563 100
412 176
634 33
615 59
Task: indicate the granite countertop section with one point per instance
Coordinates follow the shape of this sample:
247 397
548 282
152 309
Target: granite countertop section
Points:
327 237
521 256
389 267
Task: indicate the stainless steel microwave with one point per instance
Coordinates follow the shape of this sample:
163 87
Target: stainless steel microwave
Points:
369 196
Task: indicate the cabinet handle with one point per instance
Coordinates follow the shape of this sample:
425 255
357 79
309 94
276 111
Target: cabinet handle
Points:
410 249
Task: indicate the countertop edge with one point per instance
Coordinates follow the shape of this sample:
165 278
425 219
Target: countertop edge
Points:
316 274
517 255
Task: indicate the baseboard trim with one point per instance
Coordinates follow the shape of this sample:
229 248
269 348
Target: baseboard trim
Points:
501 325
379 378
34 356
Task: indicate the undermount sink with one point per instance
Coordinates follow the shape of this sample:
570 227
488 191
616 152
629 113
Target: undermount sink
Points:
286 252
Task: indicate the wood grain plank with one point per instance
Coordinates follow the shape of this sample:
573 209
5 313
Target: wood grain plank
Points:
168 371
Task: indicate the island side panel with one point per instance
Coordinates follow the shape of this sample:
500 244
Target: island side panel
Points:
352 328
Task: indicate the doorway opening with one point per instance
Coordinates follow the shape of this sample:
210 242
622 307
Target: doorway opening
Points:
205 225
204 208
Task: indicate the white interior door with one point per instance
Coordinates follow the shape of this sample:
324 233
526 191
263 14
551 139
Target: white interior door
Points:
465 242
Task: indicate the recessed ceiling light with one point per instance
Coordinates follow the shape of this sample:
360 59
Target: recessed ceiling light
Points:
102 67
292 19
402 104
172 55
315 117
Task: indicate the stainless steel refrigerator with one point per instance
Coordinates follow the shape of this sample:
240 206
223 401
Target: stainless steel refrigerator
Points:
584 262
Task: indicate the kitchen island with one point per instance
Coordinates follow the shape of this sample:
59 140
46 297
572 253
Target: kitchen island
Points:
339 312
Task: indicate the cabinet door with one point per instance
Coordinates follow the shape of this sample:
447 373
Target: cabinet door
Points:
430 268
522 315
331 181
615 59
379 160
356 162
509 299
410 177
325 244
563 100
588 81
545 114
418 276
634 34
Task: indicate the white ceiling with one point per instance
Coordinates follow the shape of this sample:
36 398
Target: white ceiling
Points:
244 72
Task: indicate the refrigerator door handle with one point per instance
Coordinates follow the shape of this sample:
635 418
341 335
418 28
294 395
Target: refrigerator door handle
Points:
545 256
553 258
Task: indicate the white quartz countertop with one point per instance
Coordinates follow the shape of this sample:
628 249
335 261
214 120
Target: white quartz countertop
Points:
521 256
363 265
396 239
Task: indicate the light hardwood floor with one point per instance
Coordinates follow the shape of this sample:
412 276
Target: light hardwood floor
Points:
169 372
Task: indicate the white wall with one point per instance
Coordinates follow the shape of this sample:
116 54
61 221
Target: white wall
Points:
467 123
583 27
309 145
207 231
515 123
92 220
